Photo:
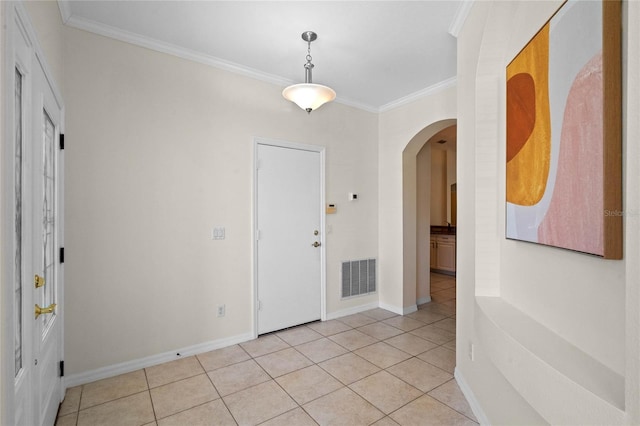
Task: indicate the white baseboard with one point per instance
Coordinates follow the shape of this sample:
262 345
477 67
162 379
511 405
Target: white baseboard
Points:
423 300
351 311
399 310
409 309
137 364
471 398
392 308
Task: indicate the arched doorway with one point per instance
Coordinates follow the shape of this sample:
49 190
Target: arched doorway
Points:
411 236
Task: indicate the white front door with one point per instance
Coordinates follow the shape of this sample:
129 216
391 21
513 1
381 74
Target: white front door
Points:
45 262
36 227
289 236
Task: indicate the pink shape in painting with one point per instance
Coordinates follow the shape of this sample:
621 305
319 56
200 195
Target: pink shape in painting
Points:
574 218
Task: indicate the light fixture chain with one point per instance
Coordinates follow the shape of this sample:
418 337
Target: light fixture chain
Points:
308 66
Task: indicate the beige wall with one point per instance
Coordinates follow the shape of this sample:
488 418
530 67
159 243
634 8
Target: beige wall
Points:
159 151
438 186
423 225
403 132
451 179
578 301
46 20
4 281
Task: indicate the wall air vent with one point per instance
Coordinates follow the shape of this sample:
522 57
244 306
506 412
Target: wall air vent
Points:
358 277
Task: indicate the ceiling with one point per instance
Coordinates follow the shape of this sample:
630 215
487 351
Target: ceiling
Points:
374 54
445 139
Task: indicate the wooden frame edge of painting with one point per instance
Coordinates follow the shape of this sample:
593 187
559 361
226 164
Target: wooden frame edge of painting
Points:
612 79
564 132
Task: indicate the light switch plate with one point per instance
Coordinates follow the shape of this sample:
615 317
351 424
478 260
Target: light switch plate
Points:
218 233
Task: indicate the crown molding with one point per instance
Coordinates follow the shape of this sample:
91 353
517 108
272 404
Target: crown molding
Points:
181 52
460 17
184 53
445 84
356 104
65 10
171 49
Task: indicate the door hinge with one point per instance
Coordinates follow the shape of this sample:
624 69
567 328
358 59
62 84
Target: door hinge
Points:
61 368
61 140
257 235
259 305
61 254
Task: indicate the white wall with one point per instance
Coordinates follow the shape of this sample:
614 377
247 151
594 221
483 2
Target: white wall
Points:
578 301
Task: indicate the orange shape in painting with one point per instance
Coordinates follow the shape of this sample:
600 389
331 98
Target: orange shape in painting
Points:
521 110
528 161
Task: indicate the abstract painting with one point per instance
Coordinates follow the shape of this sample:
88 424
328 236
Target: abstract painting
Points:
563 150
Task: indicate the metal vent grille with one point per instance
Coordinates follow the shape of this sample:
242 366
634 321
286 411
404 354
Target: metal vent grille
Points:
358 277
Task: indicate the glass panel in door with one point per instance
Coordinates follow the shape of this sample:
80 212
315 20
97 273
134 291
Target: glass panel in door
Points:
48 218
18 289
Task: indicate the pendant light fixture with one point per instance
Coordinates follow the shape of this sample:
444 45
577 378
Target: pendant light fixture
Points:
307 95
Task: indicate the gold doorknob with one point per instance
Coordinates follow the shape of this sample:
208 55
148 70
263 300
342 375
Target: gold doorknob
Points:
48 310
38 281
316 244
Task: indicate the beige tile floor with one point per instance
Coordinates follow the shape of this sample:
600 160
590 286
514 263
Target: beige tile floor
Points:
369 368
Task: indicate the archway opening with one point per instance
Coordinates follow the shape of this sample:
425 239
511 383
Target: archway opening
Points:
414 233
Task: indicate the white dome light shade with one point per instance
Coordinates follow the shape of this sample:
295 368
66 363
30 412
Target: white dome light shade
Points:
309 96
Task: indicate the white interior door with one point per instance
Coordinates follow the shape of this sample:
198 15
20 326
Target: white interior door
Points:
289 236
37 233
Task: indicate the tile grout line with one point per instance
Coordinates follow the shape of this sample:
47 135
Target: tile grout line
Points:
215 388
153 406
115 399
79 405
439 386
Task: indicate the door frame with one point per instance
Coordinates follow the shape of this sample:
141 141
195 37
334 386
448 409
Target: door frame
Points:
323 264
14 15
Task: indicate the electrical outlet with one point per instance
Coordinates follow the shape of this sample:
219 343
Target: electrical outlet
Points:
221 310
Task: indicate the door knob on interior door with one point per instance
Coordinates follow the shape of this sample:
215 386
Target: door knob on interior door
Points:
48 310
316 244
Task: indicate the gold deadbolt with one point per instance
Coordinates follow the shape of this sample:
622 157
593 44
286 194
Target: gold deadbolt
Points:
38 281
48 310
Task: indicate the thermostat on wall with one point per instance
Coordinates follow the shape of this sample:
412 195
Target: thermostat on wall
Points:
331 209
